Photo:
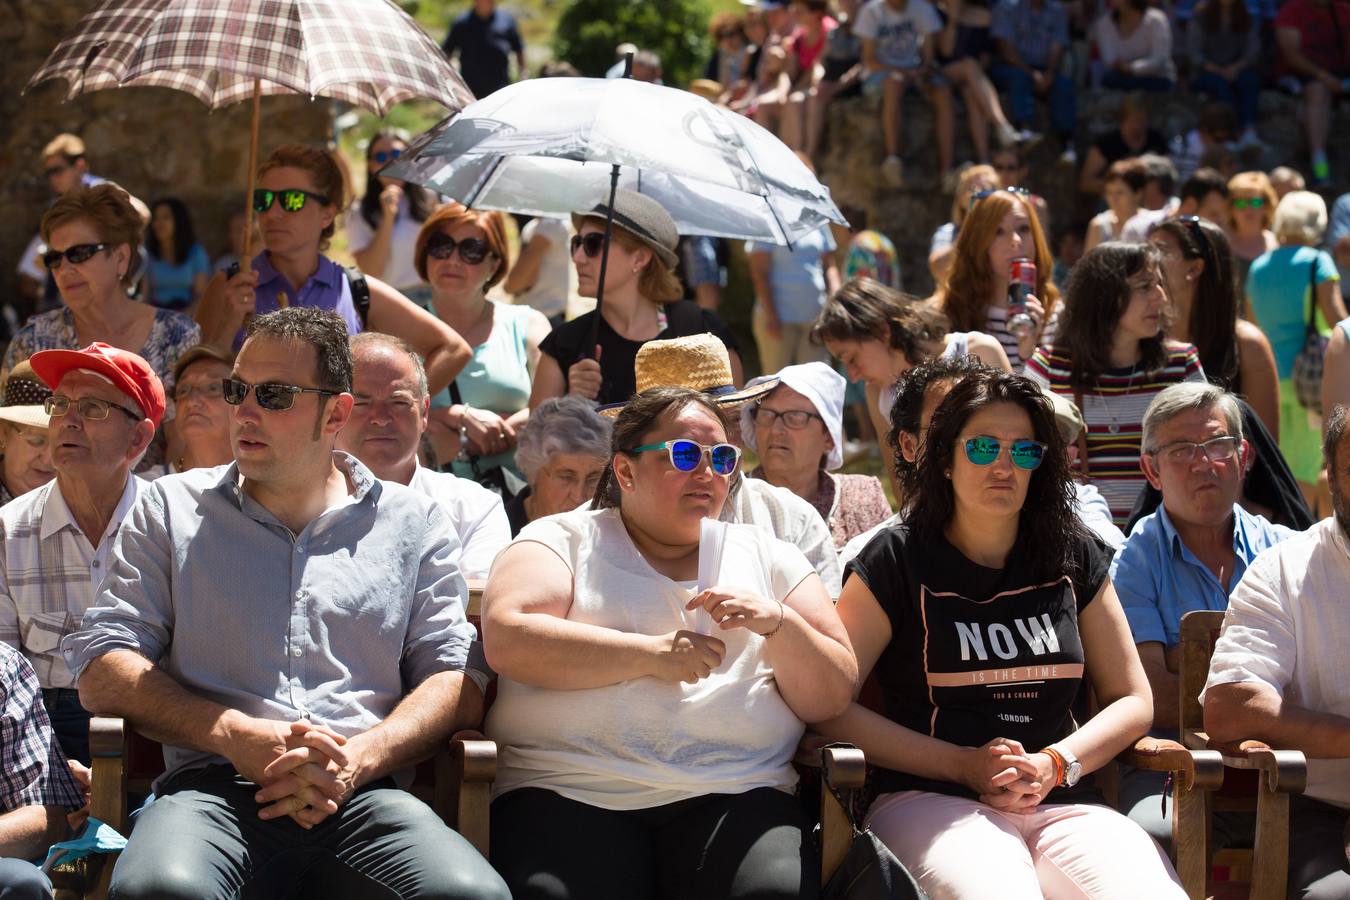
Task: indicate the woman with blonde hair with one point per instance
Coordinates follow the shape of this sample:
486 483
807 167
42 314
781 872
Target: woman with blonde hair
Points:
1284 287
1251 212
1001 226
973 179
641 303
299 192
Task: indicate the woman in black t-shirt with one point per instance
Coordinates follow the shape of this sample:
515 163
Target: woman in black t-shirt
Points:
641 303
982 616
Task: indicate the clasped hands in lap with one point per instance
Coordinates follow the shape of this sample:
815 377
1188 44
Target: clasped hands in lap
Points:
1007 777
303 770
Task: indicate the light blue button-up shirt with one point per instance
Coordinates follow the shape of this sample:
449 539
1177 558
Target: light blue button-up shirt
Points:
334 624
1159 579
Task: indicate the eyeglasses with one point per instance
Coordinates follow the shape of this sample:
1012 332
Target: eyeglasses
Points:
90 407
211 390
472 250
686 455
53 171
384 156
1216 450
794 419
592 242
77 254
977 196
1248 202
1027 454
271 396
292 199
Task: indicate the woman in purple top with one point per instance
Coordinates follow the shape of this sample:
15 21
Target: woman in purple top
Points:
299 192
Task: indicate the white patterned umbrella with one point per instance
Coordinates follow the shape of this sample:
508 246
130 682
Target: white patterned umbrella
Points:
369 53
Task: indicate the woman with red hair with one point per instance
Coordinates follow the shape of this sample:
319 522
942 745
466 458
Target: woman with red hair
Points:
1001 226
461 253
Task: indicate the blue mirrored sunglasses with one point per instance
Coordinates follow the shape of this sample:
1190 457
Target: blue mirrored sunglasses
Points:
1025 454
686 455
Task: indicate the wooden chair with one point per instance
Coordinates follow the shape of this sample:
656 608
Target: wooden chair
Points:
1272 775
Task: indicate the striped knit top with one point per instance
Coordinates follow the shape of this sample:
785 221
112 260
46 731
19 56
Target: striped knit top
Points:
1114 411
996 325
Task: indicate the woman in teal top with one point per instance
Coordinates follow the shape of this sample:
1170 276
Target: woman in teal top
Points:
1278 291
461 253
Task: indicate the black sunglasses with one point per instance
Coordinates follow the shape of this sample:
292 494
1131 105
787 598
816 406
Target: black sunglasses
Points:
77 254
472 250
384 156
269 396
292 199
592 242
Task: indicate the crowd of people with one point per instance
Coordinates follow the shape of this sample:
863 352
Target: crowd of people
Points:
243 503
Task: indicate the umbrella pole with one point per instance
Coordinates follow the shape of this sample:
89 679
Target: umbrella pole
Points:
247 259
604 258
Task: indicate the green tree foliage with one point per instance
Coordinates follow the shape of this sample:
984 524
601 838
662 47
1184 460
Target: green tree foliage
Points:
676 30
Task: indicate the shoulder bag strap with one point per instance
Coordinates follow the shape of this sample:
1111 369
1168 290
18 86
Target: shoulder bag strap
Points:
1311 330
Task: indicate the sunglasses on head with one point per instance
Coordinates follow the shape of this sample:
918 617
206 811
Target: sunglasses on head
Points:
472 250
685 455
1248 202
977 196
592 243
292 199
271 395
1025 453
384 156
77 254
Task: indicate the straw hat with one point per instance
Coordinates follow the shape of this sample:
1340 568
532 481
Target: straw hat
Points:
699 362
23 397
643 218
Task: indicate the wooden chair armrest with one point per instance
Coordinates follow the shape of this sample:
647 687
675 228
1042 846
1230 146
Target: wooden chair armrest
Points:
845 767
107 747
1193 769
467 770
1284 770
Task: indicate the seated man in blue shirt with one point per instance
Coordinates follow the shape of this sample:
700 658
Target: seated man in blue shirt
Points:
293 631
1187 555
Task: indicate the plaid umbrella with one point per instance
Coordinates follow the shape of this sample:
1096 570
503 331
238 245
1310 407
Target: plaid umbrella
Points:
369 53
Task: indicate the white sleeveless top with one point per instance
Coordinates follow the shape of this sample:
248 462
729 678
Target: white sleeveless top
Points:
958 344
646 742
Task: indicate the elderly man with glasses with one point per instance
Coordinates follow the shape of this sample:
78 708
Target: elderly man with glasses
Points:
293 631
1187 555
56 540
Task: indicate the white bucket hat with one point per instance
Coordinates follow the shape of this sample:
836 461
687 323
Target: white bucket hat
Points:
820 384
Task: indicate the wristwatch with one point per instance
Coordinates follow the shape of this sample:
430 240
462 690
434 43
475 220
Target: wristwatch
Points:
1073 769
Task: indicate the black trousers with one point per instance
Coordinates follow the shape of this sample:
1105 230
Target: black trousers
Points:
202 838
727 846
1317 863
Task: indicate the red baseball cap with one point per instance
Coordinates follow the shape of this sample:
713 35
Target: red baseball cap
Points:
128 372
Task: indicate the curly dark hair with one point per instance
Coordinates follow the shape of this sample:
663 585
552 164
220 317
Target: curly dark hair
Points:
1098 294
1047 526
864 309
633 424
906 414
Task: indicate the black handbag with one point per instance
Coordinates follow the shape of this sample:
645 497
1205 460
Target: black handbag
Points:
870 871
495 478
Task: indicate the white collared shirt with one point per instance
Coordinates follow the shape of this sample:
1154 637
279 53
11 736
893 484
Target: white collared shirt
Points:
476 514
50 574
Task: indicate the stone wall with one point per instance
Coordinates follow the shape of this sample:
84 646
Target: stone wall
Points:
910 214
153 141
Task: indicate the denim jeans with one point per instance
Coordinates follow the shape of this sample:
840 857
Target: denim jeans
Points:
1022 98
1242 93
70 721
22 880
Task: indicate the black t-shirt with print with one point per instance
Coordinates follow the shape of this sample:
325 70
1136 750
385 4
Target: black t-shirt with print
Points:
572 342
977 653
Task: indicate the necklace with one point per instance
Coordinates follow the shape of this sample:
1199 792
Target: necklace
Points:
1114 426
